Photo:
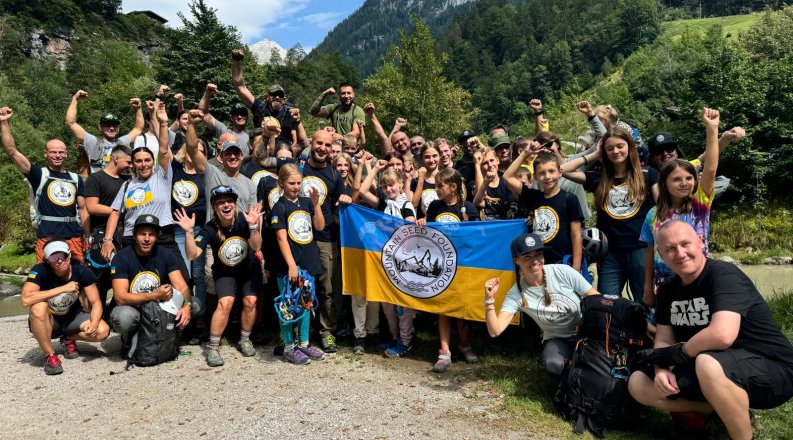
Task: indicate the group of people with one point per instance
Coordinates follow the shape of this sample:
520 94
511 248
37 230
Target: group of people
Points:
157 208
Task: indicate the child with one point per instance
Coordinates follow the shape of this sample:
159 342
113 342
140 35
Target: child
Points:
423 186
491 193
450 207
294 220
556 213
393 202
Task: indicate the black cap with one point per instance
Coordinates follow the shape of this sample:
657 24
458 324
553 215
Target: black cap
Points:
147 220
662 141
526 243
239 108
465 135
221 191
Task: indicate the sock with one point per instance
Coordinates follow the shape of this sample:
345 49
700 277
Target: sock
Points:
289 347
244 336
304 344
214 341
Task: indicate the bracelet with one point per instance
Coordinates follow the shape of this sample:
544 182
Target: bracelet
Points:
188 232
253 228
187 303
106 239
490 302
586 161
489 308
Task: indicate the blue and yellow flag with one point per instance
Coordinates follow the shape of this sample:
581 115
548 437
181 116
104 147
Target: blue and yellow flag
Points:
440 268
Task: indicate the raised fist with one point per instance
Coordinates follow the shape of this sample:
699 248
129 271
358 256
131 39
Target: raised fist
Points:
196 116
710 117
150 106
401 122
536 105
6 113
237 55
163 90
369 109
735 134
135 103
491 287
294 113
178 97
80 95
330 129
211 90
585 107
330 91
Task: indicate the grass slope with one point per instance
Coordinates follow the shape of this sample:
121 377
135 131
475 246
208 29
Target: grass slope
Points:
731 25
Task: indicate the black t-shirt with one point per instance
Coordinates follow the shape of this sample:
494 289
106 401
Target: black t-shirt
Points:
331 186
260 110
232 252
58 199
428 195
256 173
499 203
620 219
188 192
104 187
145 274
43 276
467 169
439 211
722 287
552 218
297 220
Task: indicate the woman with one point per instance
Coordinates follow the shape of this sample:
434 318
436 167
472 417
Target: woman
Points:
549 294
423 187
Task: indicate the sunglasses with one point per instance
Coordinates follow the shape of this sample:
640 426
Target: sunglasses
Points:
277 95
58 257
665 150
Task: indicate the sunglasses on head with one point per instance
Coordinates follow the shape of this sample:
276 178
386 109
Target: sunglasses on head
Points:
58 257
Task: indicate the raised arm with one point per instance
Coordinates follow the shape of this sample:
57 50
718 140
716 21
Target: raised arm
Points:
496 322
187 223
316 109
513 183
71 116
399 124
416 200
253 217
569 168
365 193
361 132
20 161
137 128
710 118
319 217
203 105
237 80
385 142
164 155
191 141
536 107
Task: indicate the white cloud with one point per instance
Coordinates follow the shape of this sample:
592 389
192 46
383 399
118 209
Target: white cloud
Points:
324 20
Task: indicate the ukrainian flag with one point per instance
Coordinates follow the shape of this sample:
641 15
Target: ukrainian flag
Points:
440 268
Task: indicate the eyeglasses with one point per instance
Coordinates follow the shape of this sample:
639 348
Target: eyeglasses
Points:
665 150
277 95
58 257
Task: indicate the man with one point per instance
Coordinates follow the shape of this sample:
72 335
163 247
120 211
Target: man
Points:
343 115
59 195
137 272
416 144
317 173
98 150
239 120
101 189
231 158
262 162
275 104
503 148
716 345
55 291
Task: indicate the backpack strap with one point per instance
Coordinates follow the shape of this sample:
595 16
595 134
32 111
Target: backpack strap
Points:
45 176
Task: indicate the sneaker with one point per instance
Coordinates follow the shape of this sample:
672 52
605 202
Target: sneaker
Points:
295 356
52 365
70 349
443 363
468 355
313 353
329 344
386 345
278 350
213 357
360 346
246 348
398 350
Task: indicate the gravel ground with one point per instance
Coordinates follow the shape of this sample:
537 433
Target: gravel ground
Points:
342 397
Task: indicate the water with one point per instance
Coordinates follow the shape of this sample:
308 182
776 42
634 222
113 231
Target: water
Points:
10 305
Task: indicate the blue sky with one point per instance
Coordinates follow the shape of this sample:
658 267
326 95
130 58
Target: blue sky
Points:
286 22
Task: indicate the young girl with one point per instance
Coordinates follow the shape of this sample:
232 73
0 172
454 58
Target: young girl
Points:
450 207
423 186
549 294
294 220
557 215
393 202
491 193
683 196
233 239
624 193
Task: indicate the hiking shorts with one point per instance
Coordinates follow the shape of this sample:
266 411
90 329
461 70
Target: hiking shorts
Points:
68 324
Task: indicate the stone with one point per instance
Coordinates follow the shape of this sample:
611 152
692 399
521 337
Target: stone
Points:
778 260
728 259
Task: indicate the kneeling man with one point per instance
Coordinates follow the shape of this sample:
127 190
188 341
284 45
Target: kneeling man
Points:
716 347
55 291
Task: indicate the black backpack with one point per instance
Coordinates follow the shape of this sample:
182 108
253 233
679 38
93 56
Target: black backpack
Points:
156 338
594 386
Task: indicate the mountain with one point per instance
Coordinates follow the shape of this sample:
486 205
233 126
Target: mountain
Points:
263 51
364 36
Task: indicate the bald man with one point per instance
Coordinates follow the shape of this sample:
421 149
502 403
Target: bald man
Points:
716 347
59 194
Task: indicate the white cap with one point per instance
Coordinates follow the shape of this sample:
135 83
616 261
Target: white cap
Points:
173 305
56 246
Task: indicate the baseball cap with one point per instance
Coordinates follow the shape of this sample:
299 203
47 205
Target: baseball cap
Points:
109 117
525 243
465 135
239 108
173 305
499 140
56 246
230 144
147 220
221 191
662 141
275 88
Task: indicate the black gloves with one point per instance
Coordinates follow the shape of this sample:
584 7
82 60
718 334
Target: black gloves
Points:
664 357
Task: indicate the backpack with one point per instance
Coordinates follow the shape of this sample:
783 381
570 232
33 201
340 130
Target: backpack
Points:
156 339
594 386
35 215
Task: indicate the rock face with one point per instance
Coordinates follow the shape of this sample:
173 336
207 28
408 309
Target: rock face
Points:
43 45
263 51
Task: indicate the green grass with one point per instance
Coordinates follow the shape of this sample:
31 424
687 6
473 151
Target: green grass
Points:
732 25
11 259
750 234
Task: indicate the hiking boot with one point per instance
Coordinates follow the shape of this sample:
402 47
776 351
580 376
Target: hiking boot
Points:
213 357
70 348
296 356
359 347
329 344
398 350
313 353
52 365
468 355
443 363
246 348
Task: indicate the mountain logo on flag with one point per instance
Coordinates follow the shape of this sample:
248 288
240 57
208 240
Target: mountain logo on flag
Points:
419 261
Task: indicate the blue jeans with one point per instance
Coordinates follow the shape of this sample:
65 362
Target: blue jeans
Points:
303 324
195 269
619 267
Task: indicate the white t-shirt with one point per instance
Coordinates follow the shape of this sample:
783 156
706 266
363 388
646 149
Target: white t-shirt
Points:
151 196
98 150
559 319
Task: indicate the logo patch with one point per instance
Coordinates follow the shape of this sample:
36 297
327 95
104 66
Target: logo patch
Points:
233 251
299 227
61 193
617 204
562 311
185 192
314 182
546 223
145 282
419 261
660 138
61 304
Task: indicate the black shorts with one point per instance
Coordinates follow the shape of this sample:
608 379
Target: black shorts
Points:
767 382
69 324
235 286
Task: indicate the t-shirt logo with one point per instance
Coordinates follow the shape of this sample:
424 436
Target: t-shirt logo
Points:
690 312
139 197
299 227
428 196
185 192
617 204
274 195
420 262
61 304
546 223
447 217
61 192
561 312
145 282
314 182
259 175
233 251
